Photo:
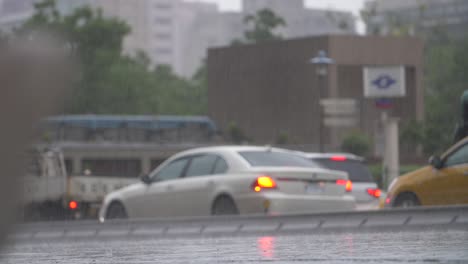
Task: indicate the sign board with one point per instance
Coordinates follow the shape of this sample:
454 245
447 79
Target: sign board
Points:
339 121
339 106
384 103
384 81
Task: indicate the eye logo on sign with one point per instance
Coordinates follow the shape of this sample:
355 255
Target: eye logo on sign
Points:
384 82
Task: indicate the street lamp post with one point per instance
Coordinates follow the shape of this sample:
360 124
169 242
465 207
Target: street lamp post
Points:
321 61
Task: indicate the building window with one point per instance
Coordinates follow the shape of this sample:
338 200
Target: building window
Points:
164 51
127 168
163 6
162 21
163 36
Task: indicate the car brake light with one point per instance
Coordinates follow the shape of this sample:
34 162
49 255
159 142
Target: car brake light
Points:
72 205
338 158
374 192
264 182
347 183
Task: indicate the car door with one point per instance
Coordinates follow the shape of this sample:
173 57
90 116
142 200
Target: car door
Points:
456 171
157 199
448 185
194 191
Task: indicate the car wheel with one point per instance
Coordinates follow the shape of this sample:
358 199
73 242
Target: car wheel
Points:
224 205
406 200
116 211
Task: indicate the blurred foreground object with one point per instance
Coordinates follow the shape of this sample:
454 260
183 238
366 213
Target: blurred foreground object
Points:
33 75
461 130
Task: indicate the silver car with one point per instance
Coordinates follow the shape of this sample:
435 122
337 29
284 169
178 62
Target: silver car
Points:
364 189
231 180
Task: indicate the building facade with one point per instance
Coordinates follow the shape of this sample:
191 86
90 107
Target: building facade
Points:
419 17
269 89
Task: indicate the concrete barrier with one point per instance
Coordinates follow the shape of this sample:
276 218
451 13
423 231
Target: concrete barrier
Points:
452 217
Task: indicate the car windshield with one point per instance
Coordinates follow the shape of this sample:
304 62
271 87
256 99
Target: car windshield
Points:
356 170
276 159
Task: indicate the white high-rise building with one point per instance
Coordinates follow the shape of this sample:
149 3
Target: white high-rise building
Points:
162 29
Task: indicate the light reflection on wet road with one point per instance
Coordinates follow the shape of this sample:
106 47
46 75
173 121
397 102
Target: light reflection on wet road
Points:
388 247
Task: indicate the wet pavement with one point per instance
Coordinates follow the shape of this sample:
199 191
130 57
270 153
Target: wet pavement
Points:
422 246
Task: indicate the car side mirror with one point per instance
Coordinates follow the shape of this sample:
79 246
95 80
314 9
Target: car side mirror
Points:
436 162
145 178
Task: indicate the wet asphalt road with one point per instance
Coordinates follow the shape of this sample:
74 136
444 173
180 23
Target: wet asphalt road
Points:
423 246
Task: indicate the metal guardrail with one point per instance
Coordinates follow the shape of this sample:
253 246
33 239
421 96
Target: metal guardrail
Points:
453 217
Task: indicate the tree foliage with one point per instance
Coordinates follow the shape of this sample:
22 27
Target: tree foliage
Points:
356 143
446 80
107 81
262 26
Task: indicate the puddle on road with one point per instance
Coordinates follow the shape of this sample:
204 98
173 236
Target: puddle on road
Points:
397 247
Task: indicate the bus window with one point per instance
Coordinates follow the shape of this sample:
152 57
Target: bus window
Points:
127 168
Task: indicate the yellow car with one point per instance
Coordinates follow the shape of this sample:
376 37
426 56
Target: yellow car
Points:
443 182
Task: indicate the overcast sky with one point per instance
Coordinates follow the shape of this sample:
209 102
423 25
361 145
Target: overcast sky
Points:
346 5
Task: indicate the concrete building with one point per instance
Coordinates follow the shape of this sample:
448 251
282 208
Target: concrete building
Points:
418 17
163 29
269 89
136 15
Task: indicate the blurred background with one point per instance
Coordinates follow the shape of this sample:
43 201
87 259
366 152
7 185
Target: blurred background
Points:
154 77
345 101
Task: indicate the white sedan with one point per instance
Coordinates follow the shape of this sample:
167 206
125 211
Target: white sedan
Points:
232 180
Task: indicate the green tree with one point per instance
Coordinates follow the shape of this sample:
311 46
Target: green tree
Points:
96 45
235 134
446 80
262 26
178 95
356 143
108 82
126 88
282 139
411 135
338 20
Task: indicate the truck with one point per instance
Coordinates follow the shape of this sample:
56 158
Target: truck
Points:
69 180
50 193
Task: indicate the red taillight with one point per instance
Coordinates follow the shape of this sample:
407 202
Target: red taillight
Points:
388 200
264 182
347 183
338 158
374 192
72 205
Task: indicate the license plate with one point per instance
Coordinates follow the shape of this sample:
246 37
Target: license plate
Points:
314 188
